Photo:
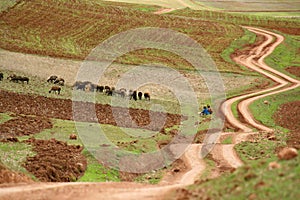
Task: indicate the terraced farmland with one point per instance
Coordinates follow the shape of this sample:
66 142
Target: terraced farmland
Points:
253 5
72 30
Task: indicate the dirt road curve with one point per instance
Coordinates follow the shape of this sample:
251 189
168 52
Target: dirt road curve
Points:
223 154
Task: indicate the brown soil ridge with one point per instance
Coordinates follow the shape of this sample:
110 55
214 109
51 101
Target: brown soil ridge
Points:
104 114
24 125
56 161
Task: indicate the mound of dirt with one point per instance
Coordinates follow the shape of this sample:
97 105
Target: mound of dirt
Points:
24 125
8 176
288 116
55 161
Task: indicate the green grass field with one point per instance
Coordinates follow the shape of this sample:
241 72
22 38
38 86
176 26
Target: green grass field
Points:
13 156
286 55
5 4
264 113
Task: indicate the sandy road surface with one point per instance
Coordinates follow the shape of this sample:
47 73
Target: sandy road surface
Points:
255 62
224 154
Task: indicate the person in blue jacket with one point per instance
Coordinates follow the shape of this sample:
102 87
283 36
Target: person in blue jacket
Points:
205 111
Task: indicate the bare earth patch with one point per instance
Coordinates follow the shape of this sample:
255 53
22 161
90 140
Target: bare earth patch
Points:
24 125
10 177
293 70
62 109
56 161
288 116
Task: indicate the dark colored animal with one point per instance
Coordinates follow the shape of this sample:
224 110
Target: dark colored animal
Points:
55 89
133 95
147 96
1 76
59 81
81 87
22 79
51 79
93 87
78 85
100 88
11 76
106 88
140 95
110 92
85 86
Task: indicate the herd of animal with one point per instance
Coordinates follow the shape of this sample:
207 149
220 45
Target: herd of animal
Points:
15 78
84 86
111 91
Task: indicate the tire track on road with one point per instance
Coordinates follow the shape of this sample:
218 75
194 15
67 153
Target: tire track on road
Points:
255 61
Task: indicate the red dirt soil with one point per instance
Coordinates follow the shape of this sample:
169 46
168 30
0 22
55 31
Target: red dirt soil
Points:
293 70
24 125
288 116
8 176
55 161
62 109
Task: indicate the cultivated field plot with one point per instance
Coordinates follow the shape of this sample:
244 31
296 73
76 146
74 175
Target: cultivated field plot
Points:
254 5
177 4
72 30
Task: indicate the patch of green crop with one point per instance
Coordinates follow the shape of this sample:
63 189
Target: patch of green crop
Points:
4 117
258 180
62 129
261 148
254 178
227 140
13 155
150 178
239 43
5 4
96 172
209 167
134 140
36 86
264 112
274 14
129 139
239 18
285 55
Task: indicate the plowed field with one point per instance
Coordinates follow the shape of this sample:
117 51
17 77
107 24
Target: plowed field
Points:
73 29
62 109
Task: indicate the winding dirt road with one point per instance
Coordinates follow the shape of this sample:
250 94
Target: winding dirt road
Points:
224 155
